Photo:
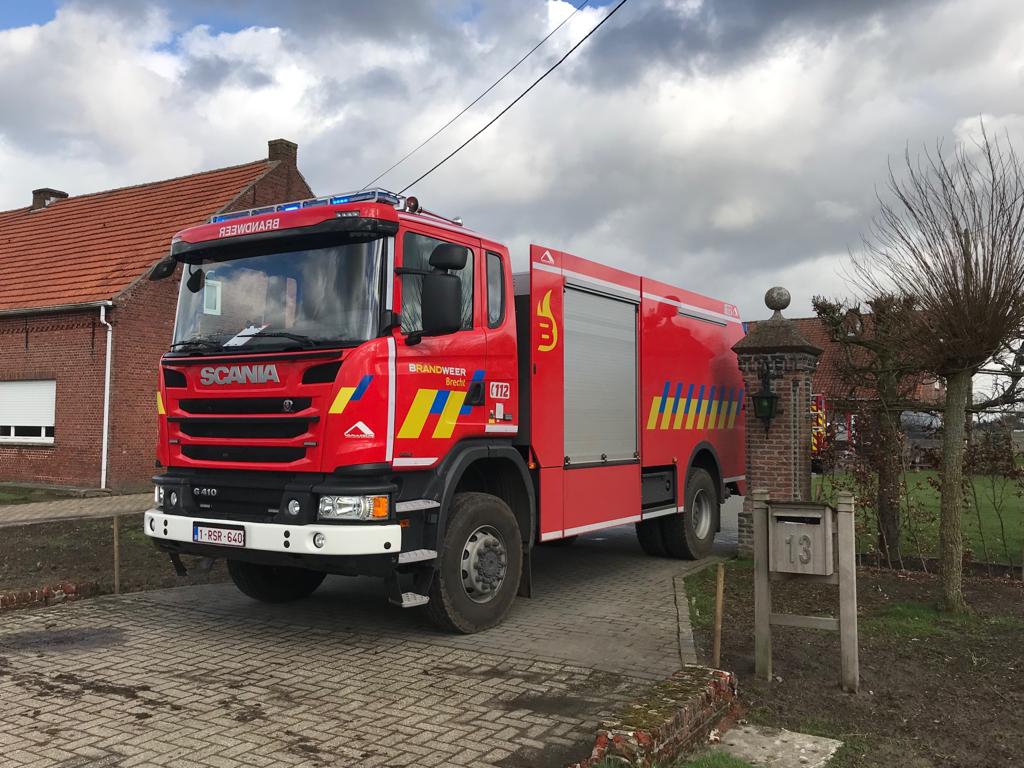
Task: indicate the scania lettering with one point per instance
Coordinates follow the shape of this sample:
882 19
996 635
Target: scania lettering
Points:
237 374
357 386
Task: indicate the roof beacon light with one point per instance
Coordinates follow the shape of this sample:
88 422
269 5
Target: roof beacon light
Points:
362 196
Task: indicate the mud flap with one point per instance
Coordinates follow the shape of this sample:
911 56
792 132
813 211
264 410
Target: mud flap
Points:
526 578
179 567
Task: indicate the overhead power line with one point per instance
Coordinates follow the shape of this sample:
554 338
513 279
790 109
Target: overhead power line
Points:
533 85
477 99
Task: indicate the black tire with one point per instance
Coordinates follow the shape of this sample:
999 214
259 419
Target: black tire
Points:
489 519
652 541
274 583
689 536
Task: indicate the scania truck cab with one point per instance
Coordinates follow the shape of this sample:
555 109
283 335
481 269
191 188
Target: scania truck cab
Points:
344 394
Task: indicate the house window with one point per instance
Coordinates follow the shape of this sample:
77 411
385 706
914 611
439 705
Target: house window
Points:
27 411
211 297
416 250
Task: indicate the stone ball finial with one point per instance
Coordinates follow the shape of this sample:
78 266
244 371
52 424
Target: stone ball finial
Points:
777 299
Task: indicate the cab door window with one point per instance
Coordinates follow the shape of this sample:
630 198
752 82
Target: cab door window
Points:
416 250
495 291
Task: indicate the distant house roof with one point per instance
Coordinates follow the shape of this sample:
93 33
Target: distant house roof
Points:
829 381
88 248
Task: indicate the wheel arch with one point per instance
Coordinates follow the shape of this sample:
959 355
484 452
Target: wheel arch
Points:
704 456
499 470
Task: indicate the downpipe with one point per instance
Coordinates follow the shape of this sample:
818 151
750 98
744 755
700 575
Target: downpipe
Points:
106 397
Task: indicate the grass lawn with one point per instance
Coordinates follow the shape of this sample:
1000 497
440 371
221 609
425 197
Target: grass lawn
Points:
936 690
993 527
44 554
16 494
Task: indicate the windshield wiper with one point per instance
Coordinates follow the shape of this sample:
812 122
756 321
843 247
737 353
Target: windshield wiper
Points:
197 344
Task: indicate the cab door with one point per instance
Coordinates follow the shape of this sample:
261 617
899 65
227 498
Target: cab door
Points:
502 397
440 389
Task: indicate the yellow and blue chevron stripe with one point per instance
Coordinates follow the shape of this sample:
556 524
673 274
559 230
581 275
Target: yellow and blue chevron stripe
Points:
348 395
670 410
448 405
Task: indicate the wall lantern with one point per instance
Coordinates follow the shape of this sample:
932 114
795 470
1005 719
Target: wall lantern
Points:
765 402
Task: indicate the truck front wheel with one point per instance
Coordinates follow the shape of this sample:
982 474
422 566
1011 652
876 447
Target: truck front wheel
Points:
273 583
480 563
690 535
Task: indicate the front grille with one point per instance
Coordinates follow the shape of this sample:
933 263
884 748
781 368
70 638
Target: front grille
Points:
266 428
244 405
242 453
257 505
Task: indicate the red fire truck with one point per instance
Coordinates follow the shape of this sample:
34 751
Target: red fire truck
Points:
359 386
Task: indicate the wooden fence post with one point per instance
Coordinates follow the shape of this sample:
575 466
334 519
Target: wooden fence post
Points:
847 593
716 645
117 554
762 589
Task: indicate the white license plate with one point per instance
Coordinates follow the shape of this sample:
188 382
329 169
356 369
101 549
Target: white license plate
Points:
221 535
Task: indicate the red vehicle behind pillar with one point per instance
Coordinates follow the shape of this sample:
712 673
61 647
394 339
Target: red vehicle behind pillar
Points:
359 386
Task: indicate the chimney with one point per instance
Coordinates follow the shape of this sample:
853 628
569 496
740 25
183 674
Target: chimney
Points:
43 197
283 150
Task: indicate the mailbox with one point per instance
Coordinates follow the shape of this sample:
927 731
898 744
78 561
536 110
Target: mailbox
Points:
800 539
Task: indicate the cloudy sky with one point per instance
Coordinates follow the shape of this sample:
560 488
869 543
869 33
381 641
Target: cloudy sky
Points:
724 146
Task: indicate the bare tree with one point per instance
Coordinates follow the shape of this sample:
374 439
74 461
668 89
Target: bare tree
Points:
880 383
951 240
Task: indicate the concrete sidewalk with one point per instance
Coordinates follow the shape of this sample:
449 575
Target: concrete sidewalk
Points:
74 509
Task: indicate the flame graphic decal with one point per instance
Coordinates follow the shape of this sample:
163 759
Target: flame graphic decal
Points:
548 326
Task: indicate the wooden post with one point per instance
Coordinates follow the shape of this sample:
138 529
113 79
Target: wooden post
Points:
847 593
117 555
762 589
716 648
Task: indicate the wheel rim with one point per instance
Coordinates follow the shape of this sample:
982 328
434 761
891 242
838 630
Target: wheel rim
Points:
484 564
700 513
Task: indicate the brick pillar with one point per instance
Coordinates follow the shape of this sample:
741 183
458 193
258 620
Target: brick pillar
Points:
779 460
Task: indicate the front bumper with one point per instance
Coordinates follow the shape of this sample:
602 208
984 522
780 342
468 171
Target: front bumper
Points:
340 540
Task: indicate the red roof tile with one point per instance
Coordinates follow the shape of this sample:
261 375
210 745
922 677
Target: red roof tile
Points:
91 247
828 379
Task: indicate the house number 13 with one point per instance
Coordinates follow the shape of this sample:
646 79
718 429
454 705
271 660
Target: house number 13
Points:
803 544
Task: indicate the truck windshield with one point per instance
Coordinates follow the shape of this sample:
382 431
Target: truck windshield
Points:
307 298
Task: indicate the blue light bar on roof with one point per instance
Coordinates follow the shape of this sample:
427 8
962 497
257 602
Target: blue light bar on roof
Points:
362 196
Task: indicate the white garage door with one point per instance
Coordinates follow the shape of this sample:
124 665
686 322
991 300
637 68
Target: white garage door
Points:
27 411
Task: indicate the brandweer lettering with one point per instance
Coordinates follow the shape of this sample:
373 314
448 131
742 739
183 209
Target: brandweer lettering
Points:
441 369
249 227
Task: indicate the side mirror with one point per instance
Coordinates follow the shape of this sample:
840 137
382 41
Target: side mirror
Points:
163 269
441 303
449 256
196 280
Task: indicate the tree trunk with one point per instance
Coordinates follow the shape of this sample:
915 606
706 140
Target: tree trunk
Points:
951 545
888 463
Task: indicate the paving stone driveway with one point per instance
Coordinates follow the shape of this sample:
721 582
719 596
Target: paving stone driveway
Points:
201 676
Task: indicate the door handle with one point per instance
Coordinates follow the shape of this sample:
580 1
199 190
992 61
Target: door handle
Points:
475 395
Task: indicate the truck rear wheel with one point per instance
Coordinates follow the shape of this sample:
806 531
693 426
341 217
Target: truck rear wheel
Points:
274 583
689 536
651 538
480 562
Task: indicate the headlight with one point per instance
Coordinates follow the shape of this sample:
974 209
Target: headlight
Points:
158 496
353 508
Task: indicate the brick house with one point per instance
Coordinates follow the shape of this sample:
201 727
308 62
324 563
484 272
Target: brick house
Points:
74 287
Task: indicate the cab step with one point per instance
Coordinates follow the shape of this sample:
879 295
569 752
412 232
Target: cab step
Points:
416 556
411 600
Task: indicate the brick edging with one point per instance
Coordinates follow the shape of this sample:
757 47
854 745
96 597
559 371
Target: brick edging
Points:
63 592
675 718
